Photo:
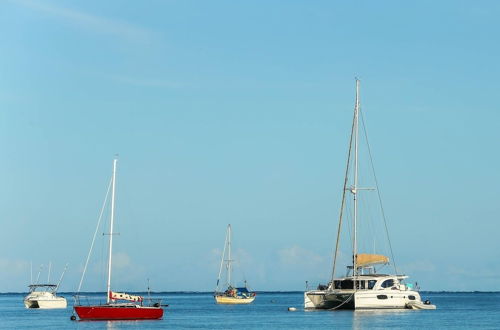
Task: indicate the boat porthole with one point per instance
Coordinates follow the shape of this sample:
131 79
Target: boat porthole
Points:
381 296
411 297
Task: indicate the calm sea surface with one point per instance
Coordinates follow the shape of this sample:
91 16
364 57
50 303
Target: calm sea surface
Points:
269 311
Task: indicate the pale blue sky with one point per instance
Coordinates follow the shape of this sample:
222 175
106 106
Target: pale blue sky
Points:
239 112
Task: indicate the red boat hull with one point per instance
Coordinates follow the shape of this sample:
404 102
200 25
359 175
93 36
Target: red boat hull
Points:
106 312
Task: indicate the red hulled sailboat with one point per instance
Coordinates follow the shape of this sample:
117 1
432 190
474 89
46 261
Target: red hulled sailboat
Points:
118 306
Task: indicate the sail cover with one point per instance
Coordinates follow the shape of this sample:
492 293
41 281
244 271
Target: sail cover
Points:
365 259
124 296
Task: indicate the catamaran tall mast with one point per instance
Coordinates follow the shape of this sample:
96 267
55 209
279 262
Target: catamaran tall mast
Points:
111 230
355 187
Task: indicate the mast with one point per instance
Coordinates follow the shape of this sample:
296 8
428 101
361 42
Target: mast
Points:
221 264
38 275
355 187
229 270
48 275
108 285
61 278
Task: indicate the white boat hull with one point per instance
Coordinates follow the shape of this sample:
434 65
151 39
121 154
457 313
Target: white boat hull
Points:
420 305
46 304
395 299
44 300
363 299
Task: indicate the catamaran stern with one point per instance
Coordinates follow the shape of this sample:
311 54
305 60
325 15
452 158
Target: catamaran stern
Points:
320 299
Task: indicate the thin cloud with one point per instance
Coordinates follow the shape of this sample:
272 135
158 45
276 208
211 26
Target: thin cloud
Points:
297 255
146 82
13 267
476 273
121 260
419 266
89 21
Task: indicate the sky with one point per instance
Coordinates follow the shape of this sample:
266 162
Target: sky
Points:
240 112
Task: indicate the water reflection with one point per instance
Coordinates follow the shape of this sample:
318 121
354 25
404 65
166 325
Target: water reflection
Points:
363 319
120 324
116 324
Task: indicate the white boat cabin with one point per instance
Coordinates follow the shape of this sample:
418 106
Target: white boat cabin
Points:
372 282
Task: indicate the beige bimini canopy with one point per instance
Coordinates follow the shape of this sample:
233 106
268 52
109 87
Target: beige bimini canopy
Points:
365 259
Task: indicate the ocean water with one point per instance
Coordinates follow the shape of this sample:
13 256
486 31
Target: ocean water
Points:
269 311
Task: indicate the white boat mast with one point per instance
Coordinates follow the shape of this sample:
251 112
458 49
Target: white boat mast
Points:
39 272
229 269
355 187
111 230
48 275
221 264
61 278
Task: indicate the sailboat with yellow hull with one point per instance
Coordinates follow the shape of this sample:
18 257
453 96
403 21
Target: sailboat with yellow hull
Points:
232 295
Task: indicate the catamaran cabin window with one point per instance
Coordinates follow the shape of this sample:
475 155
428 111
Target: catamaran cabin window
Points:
388 283
345 284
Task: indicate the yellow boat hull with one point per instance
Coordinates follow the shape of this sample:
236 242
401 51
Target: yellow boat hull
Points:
233 300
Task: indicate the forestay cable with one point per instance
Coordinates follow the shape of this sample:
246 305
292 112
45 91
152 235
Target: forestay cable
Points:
95 234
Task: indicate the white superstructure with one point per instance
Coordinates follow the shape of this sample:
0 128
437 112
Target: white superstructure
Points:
44 296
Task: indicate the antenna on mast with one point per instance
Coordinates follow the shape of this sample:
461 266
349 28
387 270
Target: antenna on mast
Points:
39 271
149 291
62 275
229 254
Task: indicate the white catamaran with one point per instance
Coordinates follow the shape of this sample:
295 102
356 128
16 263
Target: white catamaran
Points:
362 287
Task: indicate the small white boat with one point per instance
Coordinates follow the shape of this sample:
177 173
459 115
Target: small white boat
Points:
44 296
420 305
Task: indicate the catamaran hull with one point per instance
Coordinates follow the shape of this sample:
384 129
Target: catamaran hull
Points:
58 302
386 299
378 299
118 313
318 300
233 300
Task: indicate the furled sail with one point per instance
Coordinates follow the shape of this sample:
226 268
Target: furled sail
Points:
365 259
123 296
